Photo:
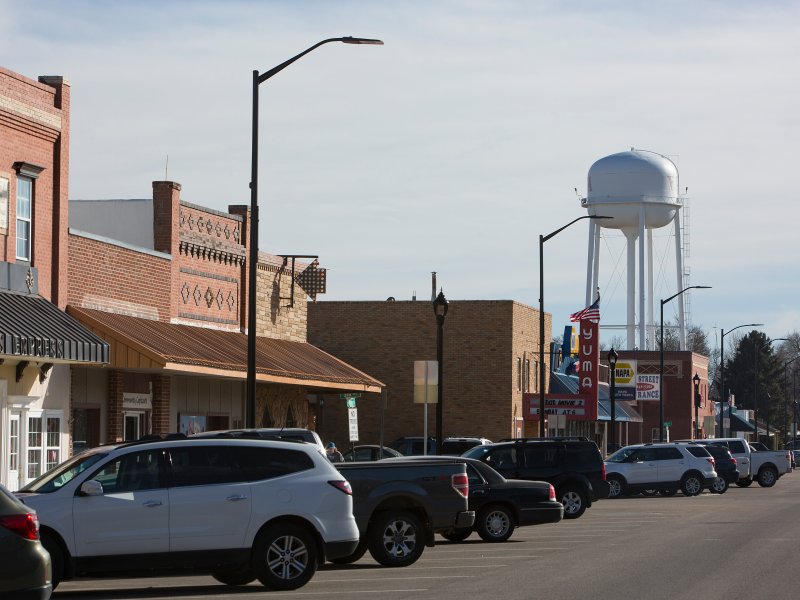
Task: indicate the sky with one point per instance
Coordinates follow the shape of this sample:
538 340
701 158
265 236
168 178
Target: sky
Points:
452 147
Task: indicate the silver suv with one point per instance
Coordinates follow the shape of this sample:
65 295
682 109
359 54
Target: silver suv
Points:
666 468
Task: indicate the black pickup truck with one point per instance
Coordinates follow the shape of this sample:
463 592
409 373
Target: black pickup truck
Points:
399 506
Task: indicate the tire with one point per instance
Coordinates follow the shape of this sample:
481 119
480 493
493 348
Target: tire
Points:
56 558
649 493
457 535
691 484
230 577
668 492
284 557
574 501
767 476
616 486
720 485
346 560
396 539
495 523
745 482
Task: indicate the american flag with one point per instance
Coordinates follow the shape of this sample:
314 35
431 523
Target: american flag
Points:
591 312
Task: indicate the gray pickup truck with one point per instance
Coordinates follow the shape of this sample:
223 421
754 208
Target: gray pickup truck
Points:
400 505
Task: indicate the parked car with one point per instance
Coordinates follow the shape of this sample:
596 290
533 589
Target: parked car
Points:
724 465
413 445
572 464
456 446
764 466
661 466
240 509
367 452
25 569
501 504
290 434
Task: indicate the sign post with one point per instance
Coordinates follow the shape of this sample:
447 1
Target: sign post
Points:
426 385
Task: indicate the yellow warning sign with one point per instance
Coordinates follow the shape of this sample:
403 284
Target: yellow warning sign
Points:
625 372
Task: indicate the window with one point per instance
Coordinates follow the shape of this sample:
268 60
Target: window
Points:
539 456
34 447
519 373
254 464
736 447
202 465
131 473
502 458
527 382
668 454
24 216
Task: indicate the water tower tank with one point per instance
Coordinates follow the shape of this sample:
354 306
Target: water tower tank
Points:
620 184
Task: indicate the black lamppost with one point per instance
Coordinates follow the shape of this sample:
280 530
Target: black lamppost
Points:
757 352
696 381
794 431
612 365
722 396
786 393
542 240
440 310
250 402
661 360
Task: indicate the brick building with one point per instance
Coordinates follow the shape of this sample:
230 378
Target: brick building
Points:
166 287
490 351
38 341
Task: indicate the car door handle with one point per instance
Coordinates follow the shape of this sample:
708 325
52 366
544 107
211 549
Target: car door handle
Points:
236 498
478 493
151 503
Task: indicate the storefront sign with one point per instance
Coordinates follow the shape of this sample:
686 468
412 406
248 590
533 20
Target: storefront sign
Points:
647 387
131 401
625 380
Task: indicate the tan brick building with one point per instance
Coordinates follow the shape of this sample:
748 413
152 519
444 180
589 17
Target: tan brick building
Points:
490 350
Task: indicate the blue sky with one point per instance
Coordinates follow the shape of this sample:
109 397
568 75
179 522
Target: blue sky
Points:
452 147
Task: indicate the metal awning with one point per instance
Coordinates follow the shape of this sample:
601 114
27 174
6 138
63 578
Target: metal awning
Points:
35 329
740 424
561 383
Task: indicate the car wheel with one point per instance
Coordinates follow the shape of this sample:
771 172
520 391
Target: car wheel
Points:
396 539
720 486
691 484
649 493
495 524
767 477
457 535
668 492
346 560
234 577
284 557
616 486
574 501
745 482
56 558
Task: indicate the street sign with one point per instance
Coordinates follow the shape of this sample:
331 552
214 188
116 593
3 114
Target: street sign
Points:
352 417
351 395
351 403
667 423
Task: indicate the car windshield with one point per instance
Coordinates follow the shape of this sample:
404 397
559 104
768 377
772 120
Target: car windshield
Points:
621 455
477 452
64 473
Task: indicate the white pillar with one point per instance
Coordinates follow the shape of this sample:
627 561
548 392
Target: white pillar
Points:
590 262
651 326
642 280
630 238
679 264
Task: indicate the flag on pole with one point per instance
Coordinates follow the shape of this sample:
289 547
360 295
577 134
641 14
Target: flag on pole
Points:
590 312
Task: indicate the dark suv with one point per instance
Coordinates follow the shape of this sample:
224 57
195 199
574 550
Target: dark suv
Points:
724 465
573 465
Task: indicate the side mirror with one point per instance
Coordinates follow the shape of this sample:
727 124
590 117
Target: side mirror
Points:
91 488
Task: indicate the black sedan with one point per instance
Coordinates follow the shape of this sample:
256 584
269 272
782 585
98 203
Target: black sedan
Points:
501 504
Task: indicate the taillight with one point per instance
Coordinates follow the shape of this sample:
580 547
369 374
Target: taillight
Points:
710 459
553 493
26 525
733 460
604 471
460 484
343 486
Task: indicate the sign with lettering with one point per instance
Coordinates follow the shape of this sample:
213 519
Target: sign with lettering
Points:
647 387
625 380
352 418
132 401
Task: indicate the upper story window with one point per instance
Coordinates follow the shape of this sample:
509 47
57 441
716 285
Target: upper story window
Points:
24 217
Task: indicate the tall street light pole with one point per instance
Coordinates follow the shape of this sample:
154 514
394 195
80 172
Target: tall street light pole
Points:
542 240
250 402
757 352
612 365
722 395
440 305
661 359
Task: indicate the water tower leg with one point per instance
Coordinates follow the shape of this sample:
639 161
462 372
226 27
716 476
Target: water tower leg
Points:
651 325
596 273
642 280
630 238
681 285
590 262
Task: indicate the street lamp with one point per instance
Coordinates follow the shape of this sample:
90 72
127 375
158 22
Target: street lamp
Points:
542 240
786 392
440 310
612 364
722 396
250 403
758 350
696 381
661 360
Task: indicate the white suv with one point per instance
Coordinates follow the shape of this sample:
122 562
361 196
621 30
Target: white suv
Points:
240 509
659 467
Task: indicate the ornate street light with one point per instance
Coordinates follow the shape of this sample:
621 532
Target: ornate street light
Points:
612 365
440 305
258 79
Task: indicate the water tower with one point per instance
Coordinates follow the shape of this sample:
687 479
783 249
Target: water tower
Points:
639 189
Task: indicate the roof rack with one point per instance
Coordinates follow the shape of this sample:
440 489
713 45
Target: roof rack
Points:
565 438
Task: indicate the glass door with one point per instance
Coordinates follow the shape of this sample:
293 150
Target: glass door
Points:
133 425
13 453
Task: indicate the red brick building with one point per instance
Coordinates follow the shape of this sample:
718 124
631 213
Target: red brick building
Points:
38 341
490 351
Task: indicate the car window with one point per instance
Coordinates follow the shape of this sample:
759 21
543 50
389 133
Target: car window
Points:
363 454
55 478
502 458
131 472
737 447
644 455
202 465
668 454
256 464
696 451
542 455
473 476
622 455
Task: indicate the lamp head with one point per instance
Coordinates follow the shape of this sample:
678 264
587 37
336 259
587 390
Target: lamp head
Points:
355 40
696 379
440 305
612 358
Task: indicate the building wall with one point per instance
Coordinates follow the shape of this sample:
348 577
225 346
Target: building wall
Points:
480 345
279 317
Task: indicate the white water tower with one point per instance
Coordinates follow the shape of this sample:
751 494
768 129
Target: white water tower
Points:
639 189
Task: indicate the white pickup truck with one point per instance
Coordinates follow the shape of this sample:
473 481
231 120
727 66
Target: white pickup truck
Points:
763 466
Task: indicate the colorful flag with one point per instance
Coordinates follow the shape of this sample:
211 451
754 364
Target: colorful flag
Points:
591 312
